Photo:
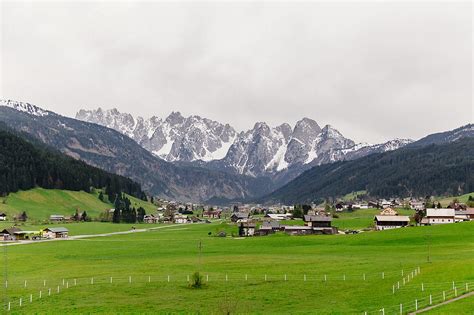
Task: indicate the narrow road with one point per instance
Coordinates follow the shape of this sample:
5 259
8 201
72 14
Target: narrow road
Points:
77 237
444 303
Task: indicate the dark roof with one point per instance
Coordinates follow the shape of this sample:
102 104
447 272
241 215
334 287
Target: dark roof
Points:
317 218
11 230
271 224
2 214
248 224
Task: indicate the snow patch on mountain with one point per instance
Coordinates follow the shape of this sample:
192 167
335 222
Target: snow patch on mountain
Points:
260 151
24 107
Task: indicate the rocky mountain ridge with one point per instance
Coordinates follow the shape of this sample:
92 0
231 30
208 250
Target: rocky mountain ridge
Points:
260 151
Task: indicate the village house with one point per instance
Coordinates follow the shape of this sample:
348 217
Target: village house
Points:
278 216
319 224
247 229
317 221
438 216
150 218
9 233
385 203
56 218
269 227
3 216
356 206
212 214
16 234
181 218
56 232
389 219
239 217
417 205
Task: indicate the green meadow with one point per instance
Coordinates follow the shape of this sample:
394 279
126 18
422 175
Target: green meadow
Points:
40 203
278 274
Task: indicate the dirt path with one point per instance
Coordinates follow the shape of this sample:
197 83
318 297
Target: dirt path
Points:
444 303
78 237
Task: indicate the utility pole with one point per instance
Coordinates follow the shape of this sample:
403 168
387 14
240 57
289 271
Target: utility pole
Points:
200 254
428 237
5 274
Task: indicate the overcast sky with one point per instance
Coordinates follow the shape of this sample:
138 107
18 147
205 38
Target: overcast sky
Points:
373 70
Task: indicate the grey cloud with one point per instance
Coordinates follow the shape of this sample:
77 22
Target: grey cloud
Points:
374 70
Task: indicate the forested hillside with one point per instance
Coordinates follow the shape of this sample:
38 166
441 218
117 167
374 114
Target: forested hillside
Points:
446 169
25 165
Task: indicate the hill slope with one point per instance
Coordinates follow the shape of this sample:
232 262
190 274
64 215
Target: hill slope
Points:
446 169
25 165
40 203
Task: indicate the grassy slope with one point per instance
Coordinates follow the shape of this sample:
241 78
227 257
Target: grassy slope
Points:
40 203
463 198
174 251
362 218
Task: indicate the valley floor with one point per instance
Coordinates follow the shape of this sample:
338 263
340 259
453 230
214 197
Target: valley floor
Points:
278 274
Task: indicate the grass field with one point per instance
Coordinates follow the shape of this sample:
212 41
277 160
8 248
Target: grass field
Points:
174 251
362 218
82 228
40 203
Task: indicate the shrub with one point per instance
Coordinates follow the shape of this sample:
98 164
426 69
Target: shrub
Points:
196 281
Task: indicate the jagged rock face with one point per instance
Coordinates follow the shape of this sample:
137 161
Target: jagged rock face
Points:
254 151
261 151
176 138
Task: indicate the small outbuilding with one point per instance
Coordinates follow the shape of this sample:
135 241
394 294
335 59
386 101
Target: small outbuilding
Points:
56 218
317 221
386 222
56 232
3 216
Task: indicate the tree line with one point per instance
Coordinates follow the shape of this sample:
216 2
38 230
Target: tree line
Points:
434 170
24 165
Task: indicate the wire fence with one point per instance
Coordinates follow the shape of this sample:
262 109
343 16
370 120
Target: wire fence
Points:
213 276
29 291
458 288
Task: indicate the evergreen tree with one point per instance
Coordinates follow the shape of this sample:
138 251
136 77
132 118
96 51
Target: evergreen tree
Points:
23 216
101 196
116 217
75 217
140 214
84 216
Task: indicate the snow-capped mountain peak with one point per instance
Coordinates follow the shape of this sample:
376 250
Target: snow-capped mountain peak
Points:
260 151
24 107
176 138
